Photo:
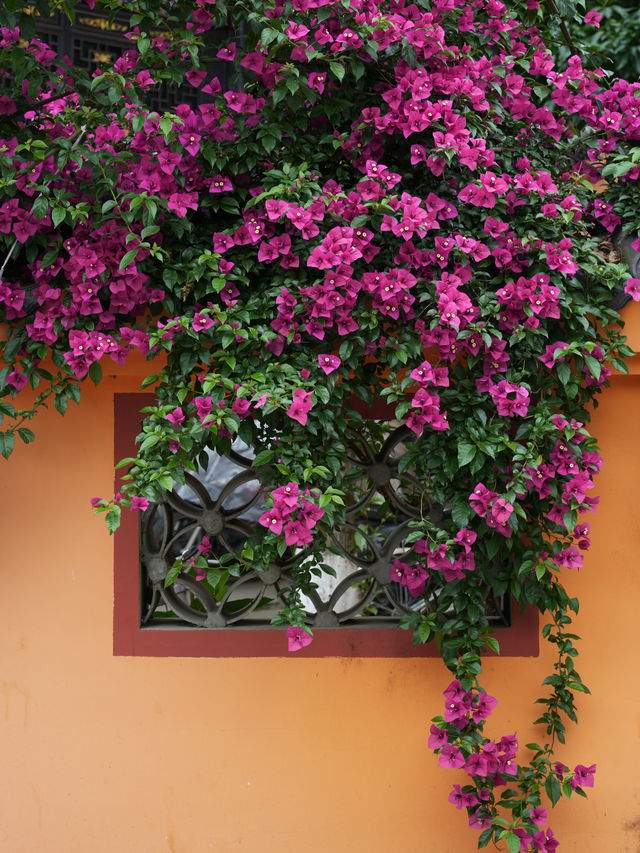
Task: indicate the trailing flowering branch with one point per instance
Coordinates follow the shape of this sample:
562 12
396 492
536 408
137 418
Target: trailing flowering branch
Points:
378 200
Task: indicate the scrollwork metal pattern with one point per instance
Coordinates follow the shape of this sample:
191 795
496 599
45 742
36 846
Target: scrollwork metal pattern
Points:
224 502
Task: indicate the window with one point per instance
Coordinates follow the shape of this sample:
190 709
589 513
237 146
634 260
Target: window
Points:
355 615
95 41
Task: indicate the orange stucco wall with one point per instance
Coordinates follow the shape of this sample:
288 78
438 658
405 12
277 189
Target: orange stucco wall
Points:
104 754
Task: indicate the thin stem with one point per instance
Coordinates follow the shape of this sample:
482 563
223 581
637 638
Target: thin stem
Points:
564 29
15 242
6 260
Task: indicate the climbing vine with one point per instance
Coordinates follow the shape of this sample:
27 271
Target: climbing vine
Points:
353 201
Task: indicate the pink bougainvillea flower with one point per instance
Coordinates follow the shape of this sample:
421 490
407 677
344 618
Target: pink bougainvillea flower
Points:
7 106
317 81
538 816
310 514
222 242
205 545
451 756
229 52
301 405
144 79
140 503
569 557
632 287
553 353
16 379
286 496
507 405
296 32
219 184
413 577
176 416
296 533
483 707
545 842
501 509
481 499
583 776
437 737
462 800
241 407
181 202
272 520
195 77
328 363
477 765
593 18
476 821
298 638
203 407
201 322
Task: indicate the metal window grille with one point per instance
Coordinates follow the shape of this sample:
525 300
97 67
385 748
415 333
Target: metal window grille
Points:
224 502
94 41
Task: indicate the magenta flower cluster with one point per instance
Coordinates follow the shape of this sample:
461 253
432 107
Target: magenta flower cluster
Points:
390 201
491 765
291 514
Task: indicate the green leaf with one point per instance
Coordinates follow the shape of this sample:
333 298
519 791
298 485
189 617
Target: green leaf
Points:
127 258
73 392
112 519
263 457
423 632
564 372
26 435
338 70
323 393
267 36
595 368
553 789
493 644
166 126
513 842
292 83
40 207
172 574
166 481
268 143
466 452
7 441
61 401
150 441
485 837
620 365
579 686
461 513
58 215
95 372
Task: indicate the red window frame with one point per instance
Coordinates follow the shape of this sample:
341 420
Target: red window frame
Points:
521 639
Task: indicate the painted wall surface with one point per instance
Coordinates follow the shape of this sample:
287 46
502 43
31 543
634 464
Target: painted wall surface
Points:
104 754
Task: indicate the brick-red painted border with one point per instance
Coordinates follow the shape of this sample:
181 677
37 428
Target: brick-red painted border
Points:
521 639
